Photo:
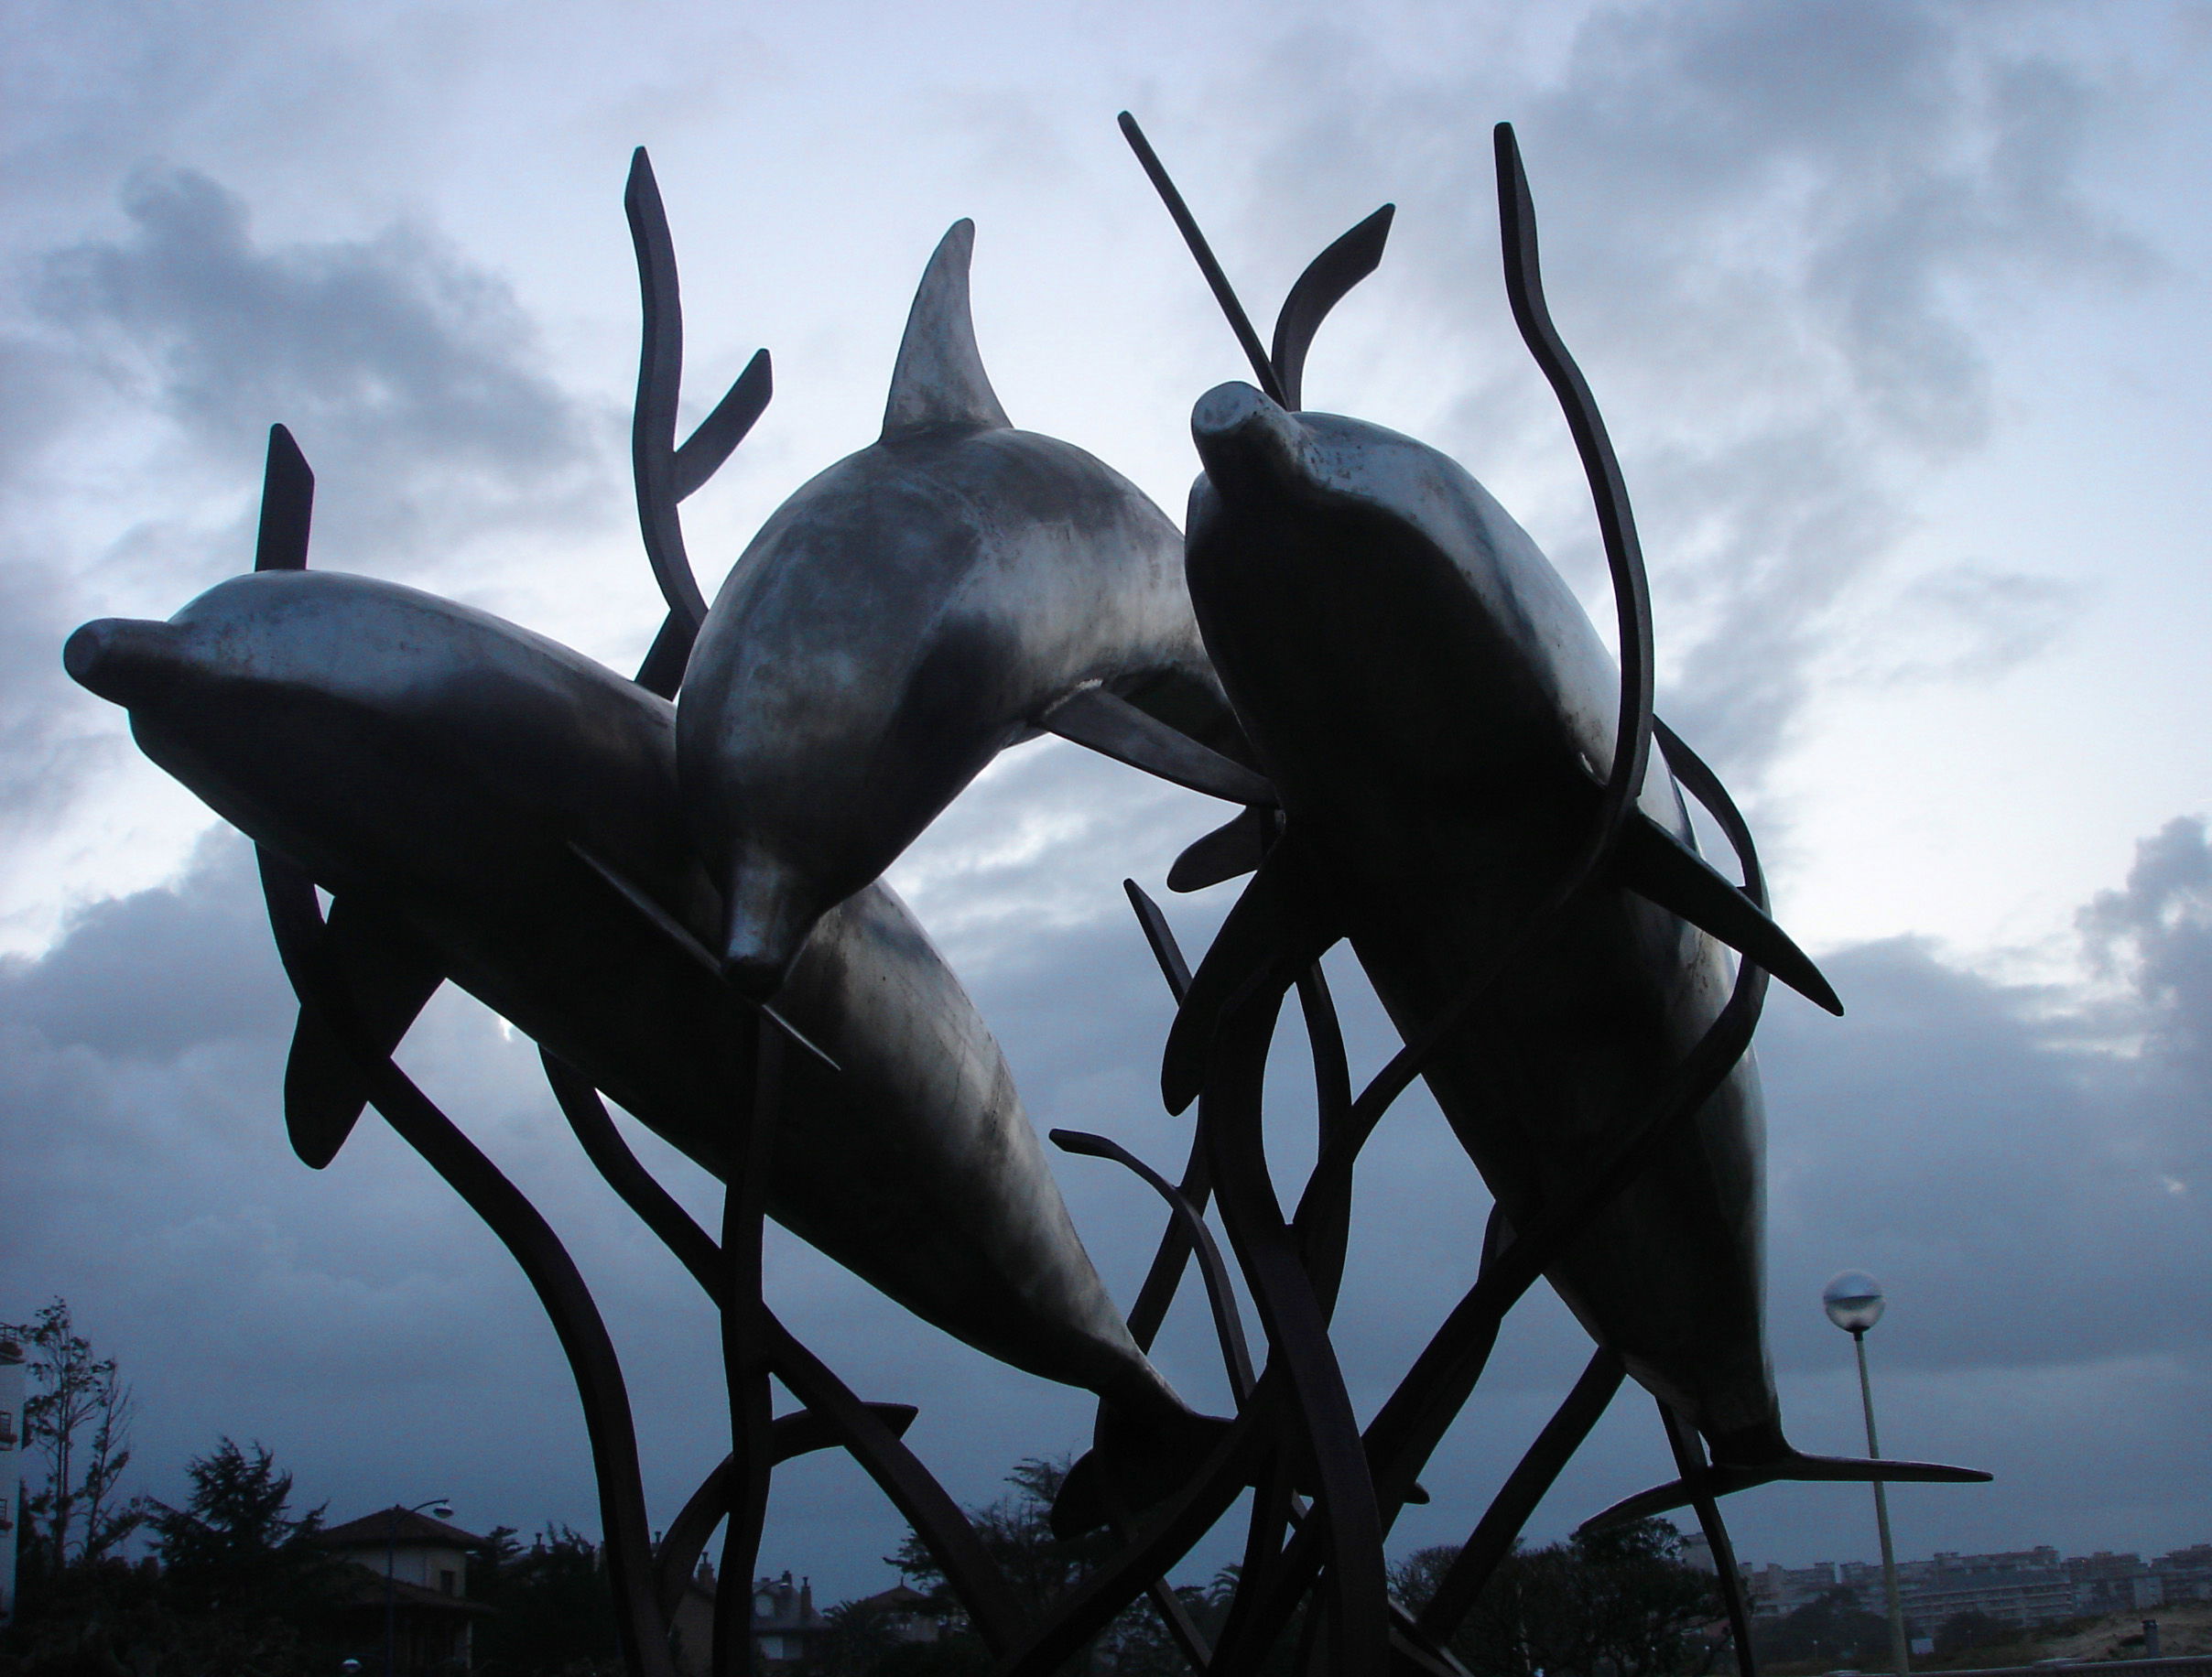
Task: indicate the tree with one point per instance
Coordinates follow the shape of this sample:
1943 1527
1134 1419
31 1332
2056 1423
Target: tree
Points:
553 1610
1139 1644
1016 1532
1621 1598
1039 1568
860 1636
247 1586
1964 1631
234 1550
1831 1631
78 1418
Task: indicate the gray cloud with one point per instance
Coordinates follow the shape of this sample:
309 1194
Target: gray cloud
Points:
44 757
409 377
2156 931
412 379
1776 239
195 963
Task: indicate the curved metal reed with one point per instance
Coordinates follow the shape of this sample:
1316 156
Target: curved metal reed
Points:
1236 1356
862 1428
1494 1534
296 921
1438 1386
664 473
745 1357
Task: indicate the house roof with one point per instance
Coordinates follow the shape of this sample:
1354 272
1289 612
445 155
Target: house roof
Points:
360 1585
899 1597
397 1525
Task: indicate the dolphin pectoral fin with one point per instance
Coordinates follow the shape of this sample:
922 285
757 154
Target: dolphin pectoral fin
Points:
1191 705
1276 929
939 377
679 935
1722 1479
389 974
1081 1506
1115 728
1238 846
1657 865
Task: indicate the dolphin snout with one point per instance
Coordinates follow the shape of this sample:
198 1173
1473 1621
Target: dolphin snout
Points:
1247 441
770 910
125 660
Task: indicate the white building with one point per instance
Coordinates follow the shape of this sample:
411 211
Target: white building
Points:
412 1576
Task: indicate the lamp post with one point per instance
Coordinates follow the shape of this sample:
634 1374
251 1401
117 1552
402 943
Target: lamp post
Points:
1853 1301
392 1541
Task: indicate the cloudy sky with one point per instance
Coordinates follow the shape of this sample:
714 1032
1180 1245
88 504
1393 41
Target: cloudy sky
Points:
1897 312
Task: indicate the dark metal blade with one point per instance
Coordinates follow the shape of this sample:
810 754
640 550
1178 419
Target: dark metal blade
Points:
720 431
1320 288
1117 729
1186 225
662 673
1236 847
1657 865
288 505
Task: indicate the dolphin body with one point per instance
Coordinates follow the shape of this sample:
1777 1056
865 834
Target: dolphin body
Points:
903 618
1435 712
465 788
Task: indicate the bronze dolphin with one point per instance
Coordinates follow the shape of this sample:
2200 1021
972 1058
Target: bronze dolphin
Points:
1437 713
465 788
903 617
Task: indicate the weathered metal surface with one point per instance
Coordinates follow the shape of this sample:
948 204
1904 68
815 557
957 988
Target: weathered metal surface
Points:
901 620
1437 789
447 766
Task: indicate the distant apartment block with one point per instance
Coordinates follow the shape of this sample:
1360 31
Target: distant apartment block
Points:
2027 1588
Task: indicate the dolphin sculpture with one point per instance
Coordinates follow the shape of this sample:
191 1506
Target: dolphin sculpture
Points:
488 805
1437 714
954 588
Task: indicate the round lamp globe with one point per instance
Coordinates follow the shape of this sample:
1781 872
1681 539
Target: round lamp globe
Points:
1853 1301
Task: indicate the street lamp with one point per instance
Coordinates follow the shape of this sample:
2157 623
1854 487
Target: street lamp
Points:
1853 1301
392 1541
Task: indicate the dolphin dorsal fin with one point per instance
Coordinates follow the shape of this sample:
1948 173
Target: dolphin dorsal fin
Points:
939 379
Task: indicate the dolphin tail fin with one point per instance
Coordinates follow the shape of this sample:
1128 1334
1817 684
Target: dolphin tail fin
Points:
389 975
1723 1478
939 378
1134 1463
